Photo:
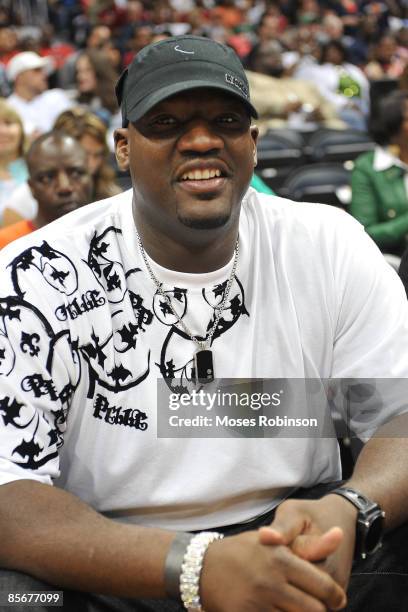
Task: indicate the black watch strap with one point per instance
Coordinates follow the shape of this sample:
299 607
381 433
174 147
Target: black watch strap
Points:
360 501
370 521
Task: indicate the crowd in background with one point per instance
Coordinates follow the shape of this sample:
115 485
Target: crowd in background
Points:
310 64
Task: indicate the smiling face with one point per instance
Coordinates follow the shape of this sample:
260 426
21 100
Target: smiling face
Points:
191 158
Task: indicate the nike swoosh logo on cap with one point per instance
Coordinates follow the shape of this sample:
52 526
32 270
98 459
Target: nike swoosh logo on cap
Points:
177 48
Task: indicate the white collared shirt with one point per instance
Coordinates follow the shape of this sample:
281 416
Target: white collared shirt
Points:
384 159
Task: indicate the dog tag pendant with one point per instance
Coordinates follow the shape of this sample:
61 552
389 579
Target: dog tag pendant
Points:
203 366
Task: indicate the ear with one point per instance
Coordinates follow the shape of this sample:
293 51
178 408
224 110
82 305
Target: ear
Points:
254 134
121 136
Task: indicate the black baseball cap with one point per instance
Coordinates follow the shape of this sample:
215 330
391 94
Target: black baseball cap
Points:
178 64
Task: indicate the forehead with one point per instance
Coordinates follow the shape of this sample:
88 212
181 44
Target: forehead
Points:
200 99
56 154
33 71
83 61
90 141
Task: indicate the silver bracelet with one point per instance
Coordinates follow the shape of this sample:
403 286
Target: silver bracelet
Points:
192 566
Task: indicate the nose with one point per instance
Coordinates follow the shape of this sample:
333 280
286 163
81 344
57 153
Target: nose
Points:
64 186
200 137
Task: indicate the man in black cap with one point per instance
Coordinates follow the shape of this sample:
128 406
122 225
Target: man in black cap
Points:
118 322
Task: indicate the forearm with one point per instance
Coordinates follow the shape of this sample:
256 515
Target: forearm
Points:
387 233
381 471
52 535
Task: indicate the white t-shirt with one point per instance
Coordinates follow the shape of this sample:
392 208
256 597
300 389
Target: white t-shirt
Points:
22 201
40 113
85 338
327 79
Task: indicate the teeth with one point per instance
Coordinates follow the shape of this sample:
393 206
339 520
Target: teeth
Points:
200 175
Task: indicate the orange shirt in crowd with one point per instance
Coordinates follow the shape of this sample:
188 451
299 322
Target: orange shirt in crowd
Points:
12 232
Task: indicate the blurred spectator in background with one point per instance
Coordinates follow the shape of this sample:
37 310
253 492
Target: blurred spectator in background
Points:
95 81
308 11
387 60
135 16
8 44
363 40
270 27
46 43
37 105
63 15
99 36
142 35
341 83
266 58
282 101
380 178
28 12
59 180
91 133
106 12
4 85
229 13
13 170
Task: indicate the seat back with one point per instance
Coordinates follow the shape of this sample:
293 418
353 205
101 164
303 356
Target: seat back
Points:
323 183
327 145
279 151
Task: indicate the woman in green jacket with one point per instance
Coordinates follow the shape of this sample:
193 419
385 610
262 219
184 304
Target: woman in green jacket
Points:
380 178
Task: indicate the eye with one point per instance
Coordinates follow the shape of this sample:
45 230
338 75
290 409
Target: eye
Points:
163 120
76 173
227 119
233 121
46 178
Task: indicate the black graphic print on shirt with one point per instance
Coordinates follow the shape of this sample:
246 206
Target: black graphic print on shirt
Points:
179 376
39 434
76 327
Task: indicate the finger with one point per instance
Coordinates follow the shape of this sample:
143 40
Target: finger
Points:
316 582
289 522
269 536
318 548
295 600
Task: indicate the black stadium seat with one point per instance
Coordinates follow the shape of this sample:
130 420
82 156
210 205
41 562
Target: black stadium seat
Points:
327 145
318 183
279 151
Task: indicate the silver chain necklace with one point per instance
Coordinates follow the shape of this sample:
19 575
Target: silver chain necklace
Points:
203 357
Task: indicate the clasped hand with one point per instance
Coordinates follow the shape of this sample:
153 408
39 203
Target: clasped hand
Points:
300 563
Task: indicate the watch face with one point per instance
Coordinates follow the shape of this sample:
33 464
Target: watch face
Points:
374 534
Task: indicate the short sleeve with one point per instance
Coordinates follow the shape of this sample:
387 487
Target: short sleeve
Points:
371 338
39 370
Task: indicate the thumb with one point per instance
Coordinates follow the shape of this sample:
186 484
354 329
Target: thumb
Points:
284 529
270 537
318 547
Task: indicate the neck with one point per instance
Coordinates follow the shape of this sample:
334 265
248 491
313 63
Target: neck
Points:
6 159
40 221
24 92
201 251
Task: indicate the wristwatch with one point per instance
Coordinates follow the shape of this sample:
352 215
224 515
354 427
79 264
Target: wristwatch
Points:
370 521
